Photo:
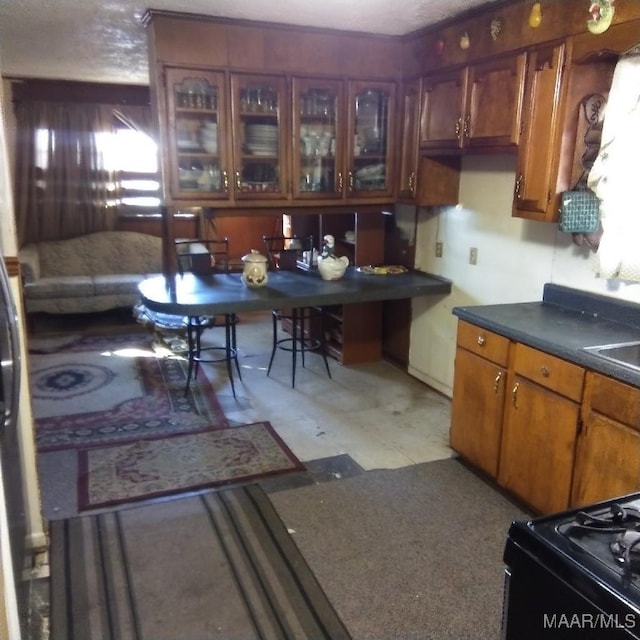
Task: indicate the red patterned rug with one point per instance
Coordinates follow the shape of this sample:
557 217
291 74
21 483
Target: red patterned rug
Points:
108 389
148 468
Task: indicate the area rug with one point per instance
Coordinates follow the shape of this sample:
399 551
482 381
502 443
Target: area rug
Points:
215 565
147 468
106 389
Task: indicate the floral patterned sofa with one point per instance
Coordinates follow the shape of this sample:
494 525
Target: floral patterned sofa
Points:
94 272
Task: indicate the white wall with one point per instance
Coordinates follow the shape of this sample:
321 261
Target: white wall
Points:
515 259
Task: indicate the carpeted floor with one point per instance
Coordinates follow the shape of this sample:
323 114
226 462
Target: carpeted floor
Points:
406 554
220 565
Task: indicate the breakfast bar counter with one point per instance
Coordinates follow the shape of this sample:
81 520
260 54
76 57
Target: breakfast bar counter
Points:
189 294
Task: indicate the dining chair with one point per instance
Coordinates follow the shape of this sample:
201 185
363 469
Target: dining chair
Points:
204 258
304 325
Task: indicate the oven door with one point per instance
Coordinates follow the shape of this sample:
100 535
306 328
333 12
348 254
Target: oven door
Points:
547 596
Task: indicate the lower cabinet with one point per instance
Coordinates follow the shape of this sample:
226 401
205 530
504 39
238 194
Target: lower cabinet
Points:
608 445
478 397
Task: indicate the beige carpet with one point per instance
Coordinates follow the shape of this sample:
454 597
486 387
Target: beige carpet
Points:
406 554
216 566
148 468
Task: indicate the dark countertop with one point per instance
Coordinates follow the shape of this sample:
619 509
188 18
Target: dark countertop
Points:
563 323
221 293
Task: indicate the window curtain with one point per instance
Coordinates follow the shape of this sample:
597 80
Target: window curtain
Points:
63 185
614 175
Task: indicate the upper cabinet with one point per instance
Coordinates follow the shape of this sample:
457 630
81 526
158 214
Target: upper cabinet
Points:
259 136
319 138
409 147
538 153
478 106
370 139
198 159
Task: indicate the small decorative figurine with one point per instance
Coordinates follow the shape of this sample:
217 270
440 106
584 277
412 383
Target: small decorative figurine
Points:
329 265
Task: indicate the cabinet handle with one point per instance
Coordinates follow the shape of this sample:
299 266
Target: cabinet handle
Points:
545 371
481 340
350 181
465 129
518 188
225 181
458 127
340 182
412 177
496 382
237 181
514 395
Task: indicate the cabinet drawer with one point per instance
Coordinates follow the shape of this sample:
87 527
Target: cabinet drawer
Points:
548 371
615 400
484 343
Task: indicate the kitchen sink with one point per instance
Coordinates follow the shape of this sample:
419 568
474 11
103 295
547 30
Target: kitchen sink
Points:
624 353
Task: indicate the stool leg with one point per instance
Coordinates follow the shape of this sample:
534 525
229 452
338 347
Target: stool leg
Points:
234 344
190 354
274 318
294 345
323 342
228 356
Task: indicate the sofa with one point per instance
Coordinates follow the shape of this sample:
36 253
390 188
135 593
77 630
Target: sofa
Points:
93 272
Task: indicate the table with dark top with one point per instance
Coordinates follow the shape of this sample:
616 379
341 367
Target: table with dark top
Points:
189 294
563 323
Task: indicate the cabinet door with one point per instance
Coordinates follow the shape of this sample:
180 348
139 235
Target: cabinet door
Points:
538 440
198 155
260 114
607 461
319 139
443 104
408 169
494 103
539 149
370 146
477 410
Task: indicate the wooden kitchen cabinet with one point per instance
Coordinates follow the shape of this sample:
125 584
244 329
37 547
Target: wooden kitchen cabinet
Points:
409 148
608 446
478 396
541 419
198 158
536 188
479 106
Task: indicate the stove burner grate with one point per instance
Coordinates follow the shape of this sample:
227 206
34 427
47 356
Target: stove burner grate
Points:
626 551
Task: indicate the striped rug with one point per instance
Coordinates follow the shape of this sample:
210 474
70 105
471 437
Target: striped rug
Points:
215 565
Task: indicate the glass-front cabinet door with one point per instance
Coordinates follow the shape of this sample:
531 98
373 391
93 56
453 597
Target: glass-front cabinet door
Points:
259 143
319 137
370 140
198 156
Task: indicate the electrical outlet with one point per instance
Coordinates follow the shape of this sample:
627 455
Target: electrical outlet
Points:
473 255
438 249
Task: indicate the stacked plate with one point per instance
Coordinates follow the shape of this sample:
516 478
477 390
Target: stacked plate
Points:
209 137
262 139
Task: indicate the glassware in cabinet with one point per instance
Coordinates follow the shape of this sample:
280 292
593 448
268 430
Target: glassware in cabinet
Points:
371 138
259 136
318 138
198 161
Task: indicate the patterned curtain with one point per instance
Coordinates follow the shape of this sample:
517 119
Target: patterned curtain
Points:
63 186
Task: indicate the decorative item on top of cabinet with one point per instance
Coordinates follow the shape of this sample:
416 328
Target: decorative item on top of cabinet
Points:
478 396
197 158
371 143
477 107
608 446
541 421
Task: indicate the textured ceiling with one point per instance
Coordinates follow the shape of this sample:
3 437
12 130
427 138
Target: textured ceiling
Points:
103 40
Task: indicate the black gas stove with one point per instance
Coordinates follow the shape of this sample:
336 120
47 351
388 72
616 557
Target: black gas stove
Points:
575 574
